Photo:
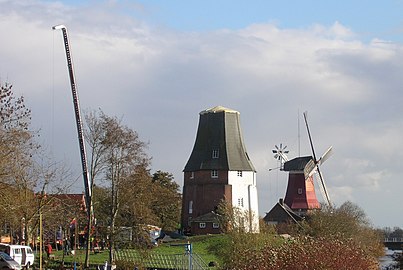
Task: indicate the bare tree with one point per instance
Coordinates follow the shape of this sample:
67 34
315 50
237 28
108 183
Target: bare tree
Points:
117 153
24 169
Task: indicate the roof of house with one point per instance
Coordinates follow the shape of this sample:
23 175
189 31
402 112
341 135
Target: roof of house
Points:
282 213
209 217
68 199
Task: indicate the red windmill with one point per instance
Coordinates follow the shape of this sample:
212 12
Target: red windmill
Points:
300 195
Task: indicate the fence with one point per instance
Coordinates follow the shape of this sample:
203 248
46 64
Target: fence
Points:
186 261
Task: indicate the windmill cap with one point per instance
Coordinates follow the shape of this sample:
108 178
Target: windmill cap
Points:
218 109
296 164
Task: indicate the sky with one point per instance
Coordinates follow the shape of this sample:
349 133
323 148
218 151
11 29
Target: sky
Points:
157 64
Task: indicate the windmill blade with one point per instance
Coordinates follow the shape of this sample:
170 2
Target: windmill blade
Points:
280 153
326 155
284 157
322 187
309 135
309 169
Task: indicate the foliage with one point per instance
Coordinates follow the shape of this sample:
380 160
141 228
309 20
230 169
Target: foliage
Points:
233 219
387 232
331 238
166 200
346 222
300 253
23 167
125 194
118 160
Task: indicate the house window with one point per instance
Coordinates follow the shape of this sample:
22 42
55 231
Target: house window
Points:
189 221
192 175
202 225
300 191
216 153
240 202
239 173
190 207
214 174
216 225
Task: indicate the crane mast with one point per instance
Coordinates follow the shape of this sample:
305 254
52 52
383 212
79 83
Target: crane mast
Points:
87 184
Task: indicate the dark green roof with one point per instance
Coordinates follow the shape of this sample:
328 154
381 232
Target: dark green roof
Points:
297 164
209 217
219 129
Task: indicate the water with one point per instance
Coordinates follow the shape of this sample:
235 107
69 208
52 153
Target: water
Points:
387 262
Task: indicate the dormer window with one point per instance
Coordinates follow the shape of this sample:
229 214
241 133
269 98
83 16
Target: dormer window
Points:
216 153
214 174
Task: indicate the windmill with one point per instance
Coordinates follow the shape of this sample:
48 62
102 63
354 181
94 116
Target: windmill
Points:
300 195
280 153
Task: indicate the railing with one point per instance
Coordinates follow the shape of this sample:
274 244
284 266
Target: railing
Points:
392 240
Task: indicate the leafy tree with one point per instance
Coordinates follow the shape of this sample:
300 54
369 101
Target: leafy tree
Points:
348 221
397 233
166 200
233 219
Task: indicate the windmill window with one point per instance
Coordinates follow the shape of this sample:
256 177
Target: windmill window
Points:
216 153
190 207
214 174
202 225
239 173
300 191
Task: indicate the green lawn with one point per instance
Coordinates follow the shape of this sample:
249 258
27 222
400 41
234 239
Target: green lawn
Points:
205 246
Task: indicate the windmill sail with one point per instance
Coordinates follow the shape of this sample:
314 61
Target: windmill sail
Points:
311 169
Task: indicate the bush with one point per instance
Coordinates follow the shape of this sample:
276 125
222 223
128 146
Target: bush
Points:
304 253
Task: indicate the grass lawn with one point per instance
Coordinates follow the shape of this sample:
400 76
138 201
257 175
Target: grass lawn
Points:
205 246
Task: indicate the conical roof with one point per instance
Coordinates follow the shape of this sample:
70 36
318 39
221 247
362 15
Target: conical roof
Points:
219 131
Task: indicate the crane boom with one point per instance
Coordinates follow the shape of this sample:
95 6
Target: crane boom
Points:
87 184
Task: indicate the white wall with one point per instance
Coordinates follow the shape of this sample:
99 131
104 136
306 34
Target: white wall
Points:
244 191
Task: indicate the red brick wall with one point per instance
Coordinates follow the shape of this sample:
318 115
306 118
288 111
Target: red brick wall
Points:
196 230
205 192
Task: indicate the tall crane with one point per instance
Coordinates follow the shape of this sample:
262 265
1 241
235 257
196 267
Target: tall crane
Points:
87 184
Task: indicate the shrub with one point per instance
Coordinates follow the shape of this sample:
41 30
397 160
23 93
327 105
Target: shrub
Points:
304 253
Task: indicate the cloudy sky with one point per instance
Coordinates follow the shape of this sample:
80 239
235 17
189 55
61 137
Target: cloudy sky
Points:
157 64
